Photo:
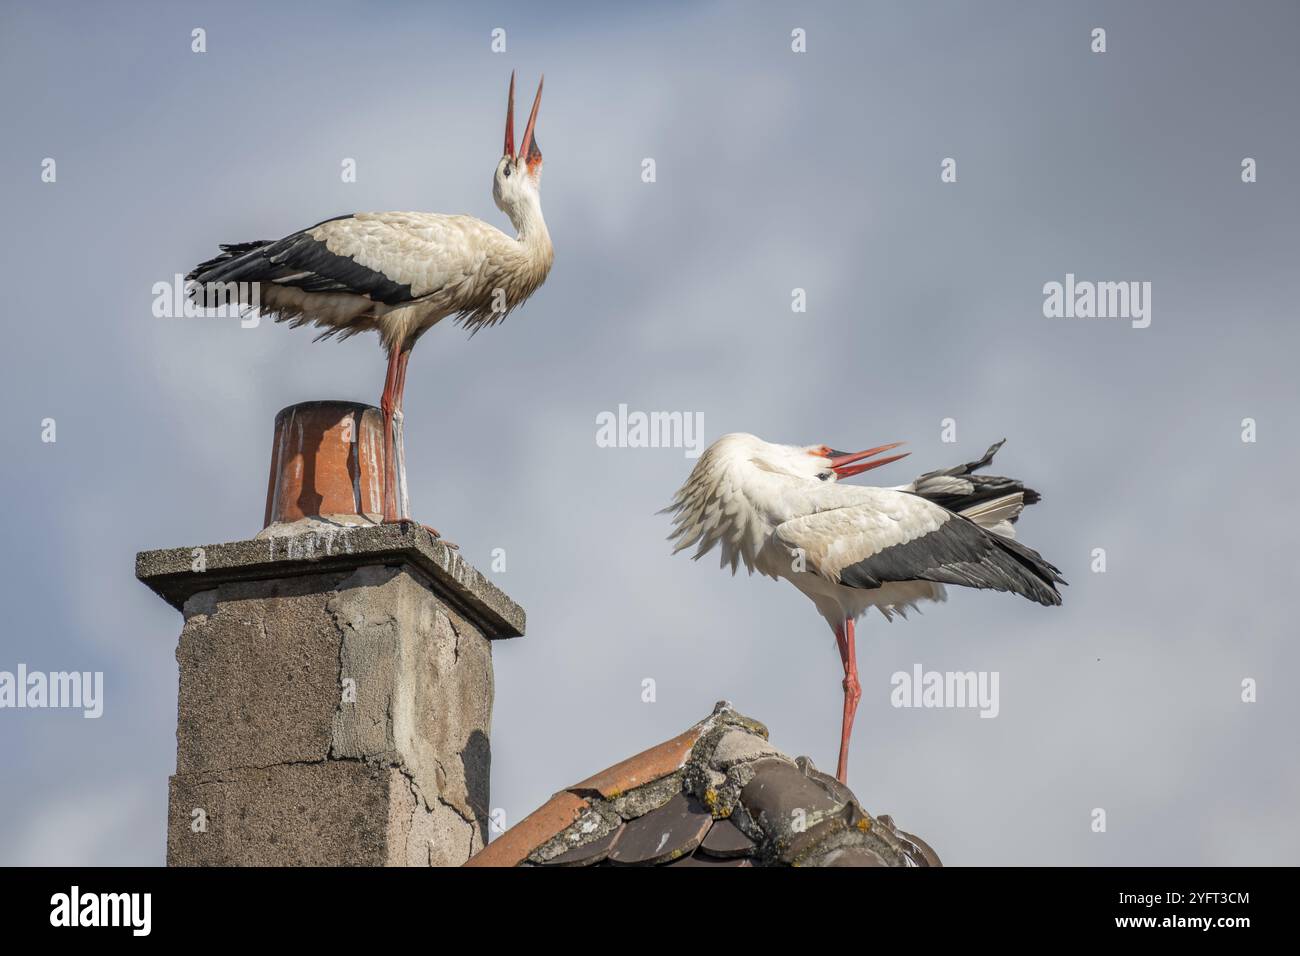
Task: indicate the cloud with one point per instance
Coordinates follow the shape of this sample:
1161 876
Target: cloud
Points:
775 171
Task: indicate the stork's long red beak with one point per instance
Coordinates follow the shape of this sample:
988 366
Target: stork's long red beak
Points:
510 118
842 462
529 150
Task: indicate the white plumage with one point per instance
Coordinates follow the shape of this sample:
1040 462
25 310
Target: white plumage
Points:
850 524
778 510
398 273
452 265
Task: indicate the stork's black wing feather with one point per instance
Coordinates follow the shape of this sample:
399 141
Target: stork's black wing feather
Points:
960 552
301 261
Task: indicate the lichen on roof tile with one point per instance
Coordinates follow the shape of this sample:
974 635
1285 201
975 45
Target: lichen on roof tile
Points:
588 854
594 822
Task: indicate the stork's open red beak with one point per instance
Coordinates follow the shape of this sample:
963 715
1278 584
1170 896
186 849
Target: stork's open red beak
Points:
842 462
510 119
529 150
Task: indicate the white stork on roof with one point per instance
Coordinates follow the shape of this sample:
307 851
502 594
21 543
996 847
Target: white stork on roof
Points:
779 510
398 273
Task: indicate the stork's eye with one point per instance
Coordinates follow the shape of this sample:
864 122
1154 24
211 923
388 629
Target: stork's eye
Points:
506 171
823 475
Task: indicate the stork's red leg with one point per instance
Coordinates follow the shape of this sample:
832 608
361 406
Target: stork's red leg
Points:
845 637
398 374
388 403
402 360
399 392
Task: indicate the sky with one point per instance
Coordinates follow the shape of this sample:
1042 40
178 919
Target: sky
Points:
774 171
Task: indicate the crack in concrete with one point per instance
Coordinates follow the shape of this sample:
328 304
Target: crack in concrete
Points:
329 758
455 809
422 803
455 633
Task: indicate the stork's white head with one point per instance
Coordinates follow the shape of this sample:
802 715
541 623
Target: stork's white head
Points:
742 485
516 186
804 462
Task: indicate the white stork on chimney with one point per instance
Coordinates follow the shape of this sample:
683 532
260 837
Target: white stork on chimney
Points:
398 273
779 510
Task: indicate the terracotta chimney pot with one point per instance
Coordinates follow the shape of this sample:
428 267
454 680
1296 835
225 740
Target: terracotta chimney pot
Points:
327 459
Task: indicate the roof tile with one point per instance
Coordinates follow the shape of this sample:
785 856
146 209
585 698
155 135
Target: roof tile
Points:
726 840
672 831
590 853
511 847
781 791
646 766
698 860
659 807
853 856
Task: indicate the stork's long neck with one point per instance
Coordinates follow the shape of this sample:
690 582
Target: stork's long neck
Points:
533 237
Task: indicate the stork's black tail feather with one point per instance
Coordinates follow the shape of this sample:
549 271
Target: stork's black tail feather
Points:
212 281
959 489
994 504
229 252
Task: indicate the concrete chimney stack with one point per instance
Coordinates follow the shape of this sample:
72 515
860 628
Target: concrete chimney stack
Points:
335 701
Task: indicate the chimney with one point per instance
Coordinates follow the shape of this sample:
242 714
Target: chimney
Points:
335 702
